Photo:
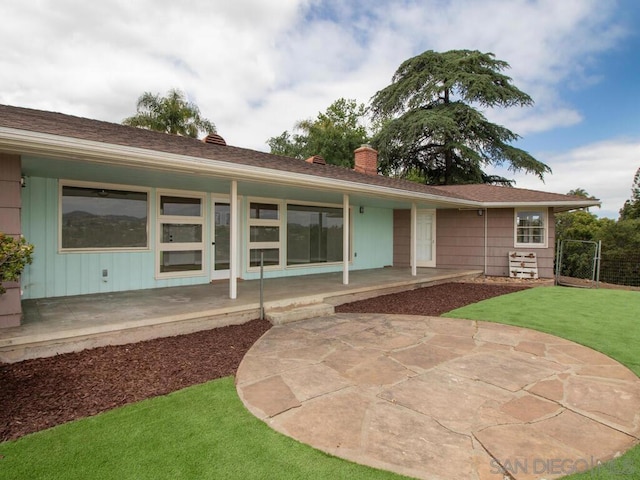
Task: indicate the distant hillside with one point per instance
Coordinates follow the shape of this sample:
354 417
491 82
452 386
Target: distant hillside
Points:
82 229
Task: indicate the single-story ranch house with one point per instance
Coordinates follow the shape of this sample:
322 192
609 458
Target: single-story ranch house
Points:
113 208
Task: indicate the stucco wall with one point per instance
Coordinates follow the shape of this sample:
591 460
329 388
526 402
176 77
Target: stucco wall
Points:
460 240
10 309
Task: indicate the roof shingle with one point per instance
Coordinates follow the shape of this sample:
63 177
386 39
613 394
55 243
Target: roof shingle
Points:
115 134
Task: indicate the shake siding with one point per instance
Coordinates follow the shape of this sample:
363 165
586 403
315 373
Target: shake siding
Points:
459 239
402 238
10 224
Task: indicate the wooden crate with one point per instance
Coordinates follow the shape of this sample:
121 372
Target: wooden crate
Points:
523 265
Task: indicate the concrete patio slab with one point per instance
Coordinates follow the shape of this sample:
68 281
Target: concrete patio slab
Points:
68 324
442 398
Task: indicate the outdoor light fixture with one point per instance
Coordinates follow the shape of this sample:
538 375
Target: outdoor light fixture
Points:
480 212
23 181
361 209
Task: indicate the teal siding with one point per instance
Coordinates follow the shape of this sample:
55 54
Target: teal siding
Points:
54 274
373 238
372 244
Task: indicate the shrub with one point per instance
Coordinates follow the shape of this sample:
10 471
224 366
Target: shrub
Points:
15 254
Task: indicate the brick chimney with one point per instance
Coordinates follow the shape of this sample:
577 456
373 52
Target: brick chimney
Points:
366 160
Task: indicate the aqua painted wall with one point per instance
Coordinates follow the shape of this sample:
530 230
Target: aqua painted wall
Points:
372 246
55 274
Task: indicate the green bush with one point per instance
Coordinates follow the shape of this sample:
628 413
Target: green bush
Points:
15 254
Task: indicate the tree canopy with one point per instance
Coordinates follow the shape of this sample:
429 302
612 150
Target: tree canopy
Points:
431 125
170 114
631 208
333 134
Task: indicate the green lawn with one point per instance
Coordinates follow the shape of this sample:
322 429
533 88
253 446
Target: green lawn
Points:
205 432
605 320
201 432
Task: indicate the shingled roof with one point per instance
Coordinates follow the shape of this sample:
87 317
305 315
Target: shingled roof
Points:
69 126
497 194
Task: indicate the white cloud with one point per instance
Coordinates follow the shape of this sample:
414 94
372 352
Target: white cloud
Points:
605 170
256 67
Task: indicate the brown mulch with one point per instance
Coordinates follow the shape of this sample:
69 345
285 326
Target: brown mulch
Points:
40 393
434 300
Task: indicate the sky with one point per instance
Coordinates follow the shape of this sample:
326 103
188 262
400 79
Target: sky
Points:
256 67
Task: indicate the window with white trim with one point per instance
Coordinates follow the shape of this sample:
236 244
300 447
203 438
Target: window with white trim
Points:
180 234
531 228
264 233
314 234
103 217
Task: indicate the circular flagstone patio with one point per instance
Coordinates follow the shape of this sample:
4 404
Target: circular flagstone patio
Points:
440 398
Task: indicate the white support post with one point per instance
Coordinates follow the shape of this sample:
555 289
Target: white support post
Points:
414 240
233 241
345 239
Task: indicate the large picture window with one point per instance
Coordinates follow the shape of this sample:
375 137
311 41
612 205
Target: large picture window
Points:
314 234
95 218
531 228
180 234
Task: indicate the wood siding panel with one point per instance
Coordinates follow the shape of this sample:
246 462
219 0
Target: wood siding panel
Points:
10 224
460 241
402 238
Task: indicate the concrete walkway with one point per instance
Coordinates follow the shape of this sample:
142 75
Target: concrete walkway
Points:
441 398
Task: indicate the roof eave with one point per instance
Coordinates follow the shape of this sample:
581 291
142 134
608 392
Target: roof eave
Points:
35 143
558 205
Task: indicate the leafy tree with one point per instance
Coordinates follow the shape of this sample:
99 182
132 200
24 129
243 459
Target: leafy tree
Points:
333 135
170 114
430 121
631 208
579 192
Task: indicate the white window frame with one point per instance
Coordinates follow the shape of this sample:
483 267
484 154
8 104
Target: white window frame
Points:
316 204
545 218
107 186
264 222
181 246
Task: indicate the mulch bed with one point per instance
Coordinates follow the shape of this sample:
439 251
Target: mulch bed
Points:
44 392
432 301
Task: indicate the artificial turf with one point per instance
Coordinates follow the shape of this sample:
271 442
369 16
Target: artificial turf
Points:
605 320
200 432
205 432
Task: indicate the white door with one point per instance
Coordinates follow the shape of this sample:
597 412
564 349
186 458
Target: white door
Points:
221 237
426 238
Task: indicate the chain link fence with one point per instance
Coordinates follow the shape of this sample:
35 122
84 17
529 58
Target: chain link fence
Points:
581 263
620 269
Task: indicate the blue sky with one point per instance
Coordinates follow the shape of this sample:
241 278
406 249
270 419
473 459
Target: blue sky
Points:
257 67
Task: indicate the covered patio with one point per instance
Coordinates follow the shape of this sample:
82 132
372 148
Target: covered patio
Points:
66 324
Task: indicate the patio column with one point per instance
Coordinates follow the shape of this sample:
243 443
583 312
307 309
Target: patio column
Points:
233 241
414 239
345 239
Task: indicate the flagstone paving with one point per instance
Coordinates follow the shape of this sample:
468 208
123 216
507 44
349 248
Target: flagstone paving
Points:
442 398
